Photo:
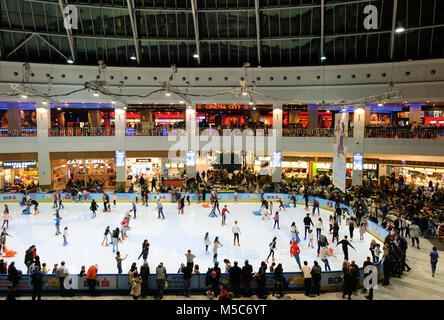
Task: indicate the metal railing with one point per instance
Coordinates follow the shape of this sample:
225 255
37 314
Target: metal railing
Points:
22 132
78 132
156 131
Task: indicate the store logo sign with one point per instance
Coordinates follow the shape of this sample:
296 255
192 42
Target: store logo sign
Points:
86 161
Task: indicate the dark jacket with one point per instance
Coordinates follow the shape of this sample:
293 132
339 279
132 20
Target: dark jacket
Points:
246 275
28 257
144 272
278 276
316 272
235 274
13 273
186 272
37 278
145 250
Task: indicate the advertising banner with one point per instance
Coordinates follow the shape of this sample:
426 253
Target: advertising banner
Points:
340 150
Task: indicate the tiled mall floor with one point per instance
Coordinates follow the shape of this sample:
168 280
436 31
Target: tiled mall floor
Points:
418 284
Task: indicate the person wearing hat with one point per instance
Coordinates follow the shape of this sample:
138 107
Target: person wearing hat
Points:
91 279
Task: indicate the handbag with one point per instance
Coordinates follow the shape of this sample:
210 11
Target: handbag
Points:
165 286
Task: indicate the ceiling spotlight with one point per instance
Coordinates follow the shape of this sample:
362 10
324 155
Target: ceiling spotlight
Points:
167 94
250 103
195 56
181 101
96 94
380 104
344 109
124 108
399 30
59 109
323 58
70 61
133 58
44 102
244 93
254 108
113 102
24 96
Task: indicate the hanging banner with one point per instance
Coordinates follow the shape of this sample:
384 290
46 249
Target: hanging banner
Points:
340 150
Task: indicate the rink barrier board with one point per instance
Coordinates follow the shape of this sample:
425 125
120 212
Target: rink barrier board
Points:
119 283
330 281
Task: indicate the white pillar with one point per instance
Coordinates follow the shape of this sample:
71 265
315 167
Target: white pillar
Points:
192 133
359 121
277 136
120 129
44 162
367 115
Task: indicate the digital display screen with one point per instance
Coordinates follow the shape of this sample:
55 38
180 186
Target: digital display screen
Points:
357 161
120 158
277 159
191 158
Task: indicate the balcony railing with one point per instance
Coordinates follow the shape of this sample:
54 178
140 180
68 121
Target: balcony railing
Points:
245 131
161 131
23 132
78 132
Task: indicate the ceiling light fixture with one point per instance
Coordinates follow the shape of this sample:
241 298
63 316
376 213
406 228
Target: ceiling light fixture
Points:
96 94
24 96
133 58
70 61
195 56
399 29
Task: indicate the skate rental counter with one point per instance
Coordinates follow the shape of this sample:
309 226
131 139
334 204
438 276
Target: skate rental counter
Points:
119 283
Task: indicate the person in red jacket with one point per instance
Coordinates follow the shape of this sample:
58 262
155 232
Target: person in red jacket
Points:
224 215
294 252
91 279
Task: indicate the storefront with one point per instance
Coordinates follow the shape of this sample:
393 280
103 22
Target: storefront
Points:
418 176
146 167
158 120
82 119
18 172
295 170
234 116
96 172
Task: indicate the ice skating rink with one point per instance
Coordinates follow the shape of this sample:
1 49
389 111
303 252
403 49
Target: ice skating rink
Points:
170 238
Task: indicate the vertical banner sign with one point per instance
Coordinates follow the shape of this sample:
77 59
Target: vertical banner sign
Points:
340 150
120 158
191 158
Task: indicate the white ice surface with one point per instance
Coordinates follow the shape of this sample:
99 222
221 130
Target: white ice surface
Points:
169 239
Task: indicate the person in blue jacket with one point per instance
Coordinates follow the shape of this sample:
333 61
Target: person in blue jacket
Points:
434 260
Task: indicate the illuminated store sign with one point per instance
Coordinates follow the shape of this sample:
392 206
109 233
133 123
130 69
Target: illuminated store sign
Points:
222 107
19 164
94 161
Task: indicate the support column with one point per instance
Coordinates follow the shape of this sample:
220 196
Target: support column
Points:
359 121
120 127
277 135
94 121
191 127
44 161
312 116
367 115
14 119
414 114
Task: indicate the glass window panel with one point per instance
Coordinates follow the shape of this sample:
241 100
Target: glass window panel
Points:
438 42
305 51
424 42
316 27
384 46
387 15
232 25
339 50
306 21
212 24
401 14
161 24
328 20
350 47
339 19
285 22
202 19
427 12
412 44
361 48
274 23
372 48
413 13
399 47
295 18
439 16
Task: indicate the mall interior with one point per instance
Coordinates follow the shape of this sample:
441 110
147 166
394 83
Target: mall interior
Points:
101 93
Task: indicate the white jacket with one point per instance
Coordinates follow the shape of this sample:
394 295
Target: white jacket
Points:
236 229
319 225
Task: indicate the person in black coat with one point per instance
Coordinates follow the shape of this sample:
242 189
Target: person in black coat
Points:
93 207
216 279
278 280
235 278
345 245
145 251
261 293
246 277
14 275
37 283
144 273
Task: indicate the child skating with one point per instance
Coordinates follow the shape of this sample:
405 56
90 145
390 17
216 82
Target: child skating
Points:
276 220
281 205
105 236
310 238
236 232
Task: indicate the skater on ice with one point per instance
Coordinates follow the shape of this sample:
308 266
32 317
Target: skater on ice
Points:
272 247
224 214
160 209
145 251
236 233
307 223
6 216
93 208
207 242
